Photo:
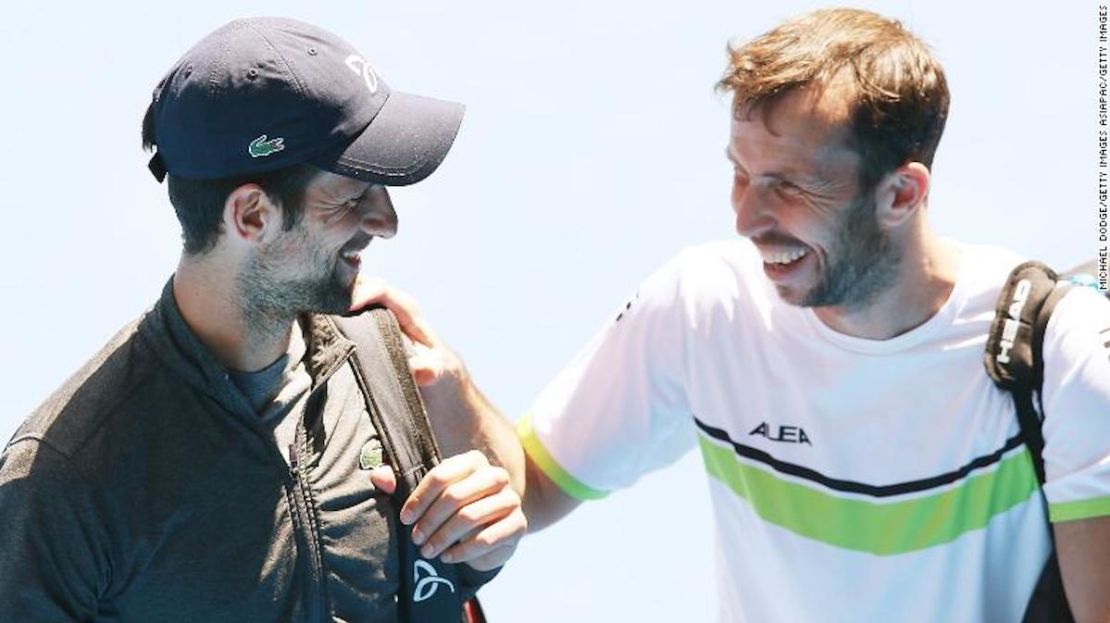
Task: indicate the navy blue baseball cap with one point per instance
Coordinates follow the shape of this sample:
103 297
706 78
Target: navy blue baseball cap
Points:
264 93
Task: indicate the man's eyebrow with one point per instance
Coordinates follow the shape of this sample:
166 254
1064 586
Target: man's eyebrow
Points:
814 183
731 155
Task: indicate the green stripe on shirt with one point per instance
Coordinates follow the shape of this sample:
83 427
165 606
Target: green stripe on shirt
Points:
1085 509
861 525
543 459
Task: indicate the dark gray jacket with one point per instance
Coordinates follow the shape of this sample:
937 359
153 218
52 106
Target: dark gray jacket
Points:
145 489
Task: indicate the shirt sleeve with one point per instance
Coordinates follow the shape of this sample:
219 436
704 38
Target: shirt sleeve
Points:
620 408
1076 399
49 566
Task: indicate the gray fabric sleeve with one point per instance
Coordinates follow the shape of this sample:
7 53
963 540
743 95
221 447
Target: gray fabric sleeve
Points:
52 555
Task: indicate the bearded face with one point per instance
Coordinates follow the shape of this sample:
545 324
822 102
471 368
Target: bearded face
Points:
299 272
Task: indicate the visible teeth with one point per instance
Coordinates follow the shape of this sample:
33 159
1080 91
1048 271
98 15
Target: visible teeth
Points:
780 256
352 254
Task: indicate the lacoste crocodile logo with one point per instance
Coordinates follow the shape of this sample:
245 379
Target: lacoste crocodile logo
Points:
427 586
260 147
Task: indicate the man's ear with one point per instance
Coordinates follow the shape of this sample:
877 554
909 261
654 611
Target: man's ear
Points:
901 194
250 215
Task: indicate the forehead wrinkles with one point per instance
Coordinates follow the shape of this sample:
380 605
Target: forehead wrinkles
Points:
803 133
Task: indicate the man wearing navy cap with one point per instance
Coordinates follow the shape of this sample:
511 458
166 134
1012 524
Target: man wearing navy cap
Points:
214 462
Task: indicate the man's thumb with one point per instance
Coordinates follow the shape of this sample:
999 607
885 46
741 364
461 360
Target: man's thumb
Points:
383 479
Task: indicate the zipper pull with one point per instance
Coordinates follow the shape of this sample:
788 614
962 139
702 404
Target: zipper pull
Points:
294 457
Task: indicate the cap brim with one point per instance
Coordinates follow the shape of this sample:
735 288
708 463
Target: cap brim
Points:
405 142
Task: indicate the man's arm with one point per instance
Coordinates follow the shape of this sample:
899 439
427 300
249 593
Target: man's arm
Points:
464 420
544 501
469 420
1076 452
1083 548
460 415
52 550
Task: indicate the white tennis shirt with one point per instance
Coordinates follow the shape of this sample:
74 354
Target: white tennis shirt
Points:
852 479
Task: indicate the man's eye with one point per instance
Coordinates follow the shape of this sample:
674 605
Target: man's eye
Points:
789 190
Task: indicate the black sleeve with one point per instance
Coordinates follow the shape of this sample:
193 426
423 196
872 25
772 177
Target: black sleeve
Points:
52 554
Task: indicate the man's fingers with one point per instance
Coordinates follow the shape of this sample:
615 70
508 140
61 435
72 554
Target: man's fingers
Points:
367 291
426 364
482 483
411 324
491 546
373 291
488 505
429 359
466 511
445 474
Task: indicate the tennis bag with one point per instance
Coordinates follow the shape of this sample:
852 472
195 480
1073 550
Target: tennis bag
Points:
1013 361
431 590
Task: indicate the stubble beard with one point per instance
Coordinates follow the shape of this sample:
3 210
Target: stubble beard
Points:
269 300
863 262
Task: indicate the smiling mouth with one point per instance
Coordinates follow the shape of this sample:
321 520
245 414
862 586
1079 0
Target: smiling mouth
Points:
352 257
782 255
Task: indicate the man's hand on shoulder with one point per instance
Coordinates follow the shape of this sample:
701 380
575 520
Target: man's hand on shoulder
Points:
461 416
464 510
469 507
434 366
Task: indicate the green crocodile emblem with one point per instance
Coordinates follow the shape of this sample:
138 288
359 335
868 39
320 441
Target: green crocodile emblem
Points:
260 147
371 455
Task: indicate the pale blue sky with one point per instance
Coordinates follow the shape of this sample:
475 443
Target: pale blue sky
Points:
591 152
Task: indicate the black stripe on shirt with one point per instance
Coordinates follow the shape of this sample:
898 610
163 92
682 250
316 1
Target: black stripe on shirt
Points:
850 486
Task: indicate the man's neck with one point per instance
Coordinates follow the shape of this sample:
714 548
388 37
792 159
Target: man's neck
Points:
212 308
925 280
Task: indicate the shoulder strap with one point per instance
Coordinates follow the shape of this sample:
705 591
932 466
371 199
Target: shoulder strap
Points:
430 590
1085 274
1013 360
393 399
1013 352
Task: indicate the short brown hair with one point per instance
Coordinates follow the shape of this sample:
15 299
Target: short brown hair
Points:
897 95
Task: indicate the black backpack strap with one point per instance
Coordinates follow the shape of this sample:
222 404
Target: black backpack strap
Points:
1013 359
396 408
1013 352
431 591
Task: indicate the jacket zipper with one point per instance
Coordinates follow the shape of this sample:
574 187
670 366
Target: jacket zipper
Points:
306 509
307 519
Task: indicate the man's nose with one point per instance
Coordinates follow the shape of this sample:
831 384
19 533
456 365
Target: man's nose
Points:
753 214
377 213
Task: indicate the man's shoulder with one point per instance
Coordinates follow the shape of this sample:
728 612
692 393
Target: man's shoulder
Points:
986 267
1082 320
986 270
90 403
